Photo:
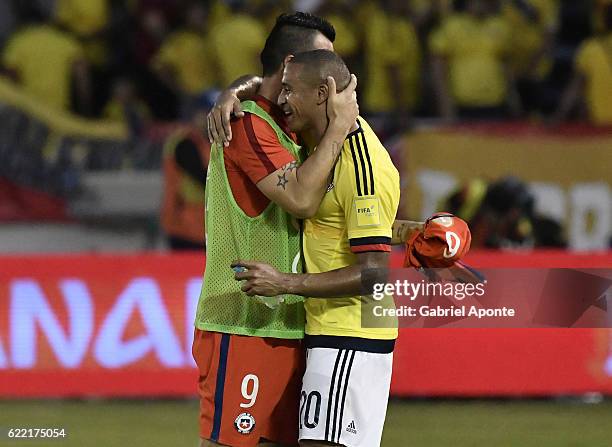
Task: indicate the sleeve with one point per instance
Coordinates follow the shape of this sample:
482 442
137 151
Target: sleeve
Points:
262 153
583 57
10 55
165 55
504 37
369 200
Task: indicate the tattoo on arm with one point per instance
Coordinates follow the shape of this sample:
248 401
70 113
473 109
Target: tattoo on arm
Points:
282 180
291 166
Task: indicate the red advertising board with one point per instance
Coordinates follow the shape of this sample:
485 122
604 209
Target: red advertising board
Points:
101 325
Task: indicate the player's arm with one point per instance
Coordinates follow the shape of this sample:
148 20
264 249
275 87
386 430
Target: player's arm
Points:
404 229
264 280
228 104
299 189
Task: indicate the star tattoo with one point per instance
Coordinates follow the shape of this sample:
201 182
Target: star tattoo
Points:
282 181
291 166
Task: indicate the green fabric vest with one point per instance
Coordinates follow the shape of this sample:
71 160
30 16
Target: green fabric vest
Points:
273 237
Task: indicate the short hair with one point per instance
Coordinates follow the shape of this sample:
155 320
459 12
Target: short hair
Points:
319 64
292 34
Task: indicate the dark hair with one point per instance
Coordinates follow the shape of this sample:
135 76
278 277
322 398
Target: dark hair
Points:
292 34
319 64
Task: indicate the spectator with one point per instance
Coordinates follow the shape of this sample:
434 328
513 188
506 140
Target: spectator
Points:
125 107
391 58
184 61
592 82
533 24
150 32
599 13
471 75
237 41
45 61
85 18
428 14
186 156
499 214
338 13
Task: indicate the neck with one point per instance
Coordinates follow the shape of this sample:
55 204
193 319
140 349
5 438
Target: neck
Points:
313 135
270 87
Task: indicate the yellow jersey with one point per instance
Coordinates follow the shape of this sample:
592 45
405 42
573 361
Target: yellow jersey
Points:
379 28
476 50
43 57
188 54
594 62
355 216
236 43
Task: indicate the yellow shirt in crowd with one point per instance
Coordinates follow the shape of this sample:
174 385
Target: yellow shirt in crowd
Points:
187 53
347 42
236 44
44 57
475 50
529 37
84 17
389 41
421 7
594 62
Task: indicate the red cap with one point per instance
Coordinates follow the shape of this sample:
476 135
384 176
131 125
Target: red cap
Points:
444 240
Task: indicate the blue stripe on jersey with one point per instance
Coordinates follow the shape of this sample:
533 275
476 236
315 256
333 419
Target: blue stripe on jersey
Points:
221 370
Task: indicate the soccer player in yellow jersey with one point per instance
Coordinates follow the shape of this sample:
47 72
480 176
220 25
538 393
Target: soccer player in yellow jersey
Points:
346 384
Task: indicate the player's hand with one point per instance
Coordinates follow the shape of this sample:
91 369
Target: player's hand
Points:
260 278
218 119
342 107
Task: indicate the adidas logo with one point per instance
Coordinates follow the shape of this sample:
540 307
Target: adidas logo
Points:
351 428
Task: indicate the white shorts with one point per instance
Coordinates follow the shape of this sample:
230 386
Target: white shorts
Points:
344 396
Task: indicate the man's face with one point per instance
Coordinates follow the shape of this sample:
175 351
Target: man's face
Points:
298 99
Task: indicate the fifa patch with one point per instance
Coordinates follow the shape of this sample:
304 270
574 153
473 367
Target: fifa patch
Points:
368 213
245 423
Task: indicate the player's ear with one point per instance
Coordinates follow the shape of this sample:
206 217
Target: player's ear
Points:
285 62
323 93
287 59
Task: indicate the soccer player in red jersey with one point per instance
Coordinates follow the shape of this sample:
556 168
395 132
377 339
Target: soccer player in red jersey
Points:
249 353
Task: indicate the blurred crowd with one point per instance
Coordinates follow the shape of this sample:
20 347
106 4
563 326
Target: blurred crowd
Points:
141 60
145 61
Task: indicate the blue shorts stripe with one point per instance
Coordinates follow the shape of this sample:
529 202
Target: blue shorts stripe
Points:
225 339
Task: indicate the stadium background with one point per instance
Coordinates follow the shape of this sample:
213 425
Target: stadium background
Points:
98 96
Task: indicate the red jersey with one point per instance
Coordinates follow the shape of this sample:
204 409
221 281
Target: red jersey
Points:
253 154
